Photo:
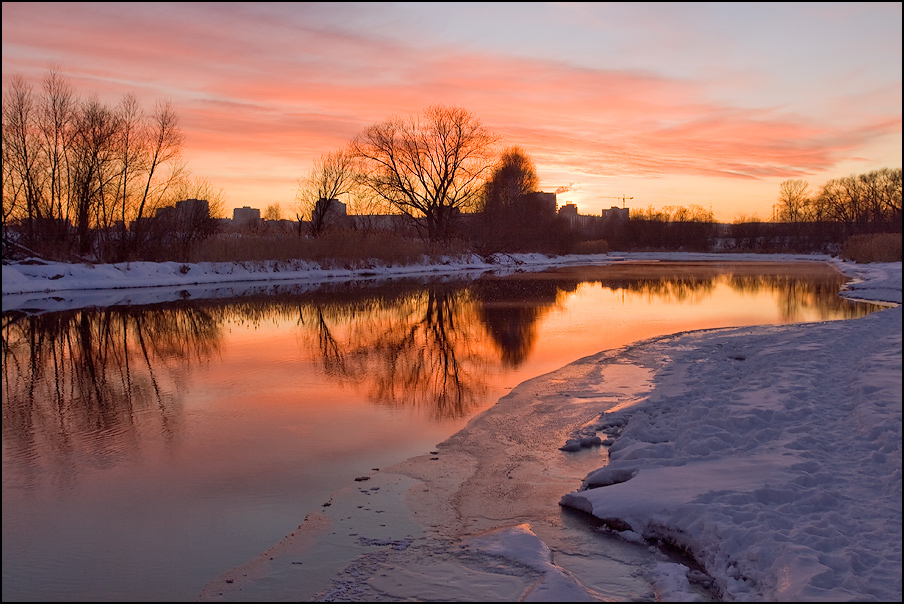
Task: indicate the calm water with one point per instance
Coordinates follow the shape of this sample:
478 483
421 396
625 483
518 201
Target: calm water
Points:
146 450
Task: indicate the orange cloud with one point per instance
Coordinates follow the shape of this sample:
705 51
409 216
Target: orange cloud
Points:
262 91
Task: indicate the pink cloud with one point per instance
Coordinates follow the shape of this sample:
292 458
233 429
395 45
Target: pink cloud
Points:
269 86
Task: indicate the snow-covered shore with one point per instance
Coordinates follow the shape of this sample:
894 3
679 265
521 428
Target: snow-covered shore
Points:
40 285
771 454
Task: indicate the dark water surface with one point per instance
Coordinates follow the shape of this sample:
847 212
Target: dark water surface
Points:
148 449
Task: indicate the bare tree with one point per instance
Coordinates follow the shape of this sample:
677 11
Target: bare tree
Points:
429 168
131 149
891 195
273 212
21 169
334 176
882 189
793 201
92 155
165 145
863 203
58 108
77 173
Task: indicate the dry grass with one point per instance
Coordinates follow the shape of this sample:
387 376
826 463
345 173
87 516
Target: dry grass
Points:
881 247
595 246
339 249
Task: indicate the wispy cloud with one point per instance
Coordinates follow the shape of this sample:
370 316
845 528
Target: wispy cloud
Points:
274 86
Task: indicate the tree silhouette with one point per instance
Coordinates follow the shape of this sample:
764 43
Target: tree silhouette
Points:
334 176
429 168
510 217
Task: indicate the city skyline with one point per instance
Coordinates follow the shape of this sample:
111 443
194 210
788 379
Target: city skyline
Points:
668 104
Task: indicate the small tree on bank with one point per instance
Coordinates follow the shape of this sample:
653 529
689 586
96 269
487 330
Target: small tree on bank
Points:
335 175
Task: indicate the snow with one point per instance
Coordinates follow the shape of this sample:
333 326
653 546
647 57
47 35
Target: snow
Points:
770 454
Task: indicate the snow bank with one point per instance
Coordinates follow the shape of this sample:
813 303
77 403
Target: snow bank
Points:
771 454
38 285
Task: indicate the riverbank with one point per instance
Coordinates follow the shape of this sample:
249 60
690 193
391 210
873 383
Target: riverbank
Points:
810 413
37 286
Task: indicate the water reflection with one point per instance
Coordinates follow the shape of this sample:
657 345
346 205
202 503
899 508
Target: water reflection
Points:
93 371
510 310
801 289
93 391
82 384
797 298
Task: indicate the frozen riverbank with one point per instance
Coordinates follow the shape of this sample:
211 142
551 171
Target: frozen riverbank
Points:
38 286
772 454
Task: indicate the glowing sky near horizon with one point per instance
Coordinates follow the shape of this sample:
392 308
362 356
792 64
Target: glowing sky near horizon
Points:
668 103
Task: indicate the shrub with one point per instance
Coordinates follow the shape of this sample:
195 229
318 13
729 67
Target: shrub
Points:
880 247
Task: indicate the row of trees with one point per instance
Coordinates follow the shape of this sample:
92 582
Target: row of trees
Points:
82 177
437 167
805 220
691 228
861 203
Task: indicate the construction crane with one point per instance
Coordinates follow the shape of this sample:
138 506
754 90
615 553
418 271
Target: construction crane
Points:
623 198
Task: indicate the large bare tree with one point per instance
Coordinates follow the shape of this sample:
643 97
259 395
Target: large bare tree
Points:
429 167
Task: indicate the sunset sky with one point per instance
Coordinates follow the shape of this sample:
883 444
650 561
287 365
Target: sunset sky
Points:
671 104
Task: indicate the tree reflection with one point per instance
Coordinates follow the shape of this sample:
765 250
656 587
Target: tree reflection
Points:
684 289
802 289
431 345
91 382
421 349
511 310
94 382
433 357
817 295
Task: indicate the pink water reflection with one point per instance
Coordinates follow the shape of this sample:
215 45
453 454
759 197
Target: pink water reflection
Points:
146 450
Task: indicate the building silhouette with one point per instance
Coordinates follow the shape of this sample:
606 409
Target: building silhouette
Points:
246 216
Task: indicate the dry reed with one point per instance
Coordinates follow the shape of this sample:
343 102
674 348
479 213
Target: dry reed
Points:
879 247
338 249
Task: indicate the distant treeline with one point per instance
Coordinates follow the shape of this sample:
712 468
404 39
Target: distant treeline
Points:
802 221
865 203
